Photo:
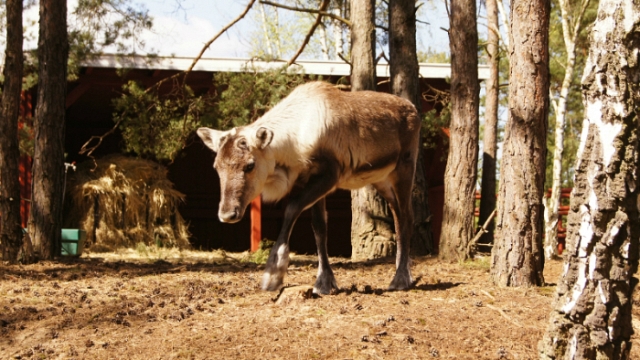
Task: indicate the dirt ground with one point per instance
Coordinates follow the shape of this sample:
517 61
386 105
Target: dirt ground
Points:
196 305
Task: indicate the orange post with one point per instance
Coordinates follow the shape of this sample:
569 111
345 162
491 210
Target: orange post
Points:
256 223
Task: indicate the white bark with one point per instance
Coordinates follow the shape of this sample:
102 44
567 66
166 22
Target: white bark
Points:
323 42
591 317
277 33
505 21
338 34
570 36
265 29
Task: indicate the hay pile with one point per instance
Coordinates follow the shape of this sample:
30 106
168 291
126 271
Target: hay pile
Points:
123 202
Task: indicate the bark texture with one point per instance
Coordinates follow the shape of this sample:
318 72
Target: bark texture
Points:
461 171
517 256
372 234
403 67
10 228
490 136
48 162
591 318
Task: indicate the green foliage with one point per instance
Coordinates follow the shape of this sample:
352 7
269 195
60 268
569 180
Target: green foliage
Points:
26 141
156 126
575 110
433 121
246 96
433 56
262 254
96 26
436 119
285 30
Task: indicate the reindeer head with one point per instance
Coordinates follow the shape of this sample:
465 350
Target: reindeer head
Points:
243 164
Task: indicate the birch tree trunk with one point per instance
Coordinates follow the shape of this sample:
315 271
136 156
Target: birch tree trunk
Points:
490 137
403 67
10 226
591 317
372 234
517 258
570 35
265 29
48 162
461 171
337 34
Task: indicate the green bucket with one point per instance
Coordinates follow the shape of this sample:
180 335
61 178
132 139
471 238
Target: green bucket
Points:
73 242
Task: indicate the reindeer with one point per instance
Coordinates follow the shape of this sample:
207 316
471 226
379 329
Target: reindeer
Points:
320 139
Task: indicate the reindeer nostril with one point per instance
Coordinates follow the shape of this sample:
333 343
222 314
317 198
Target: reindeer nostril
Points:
229 216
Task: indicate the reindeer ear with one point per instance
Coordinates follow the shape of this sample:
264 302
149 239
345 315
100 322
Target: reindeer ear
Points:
264 137
212 138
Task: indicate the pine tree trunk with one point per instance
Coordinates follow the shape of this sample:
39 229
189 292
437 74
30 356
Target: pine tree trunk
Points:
591 318
490 137
461 171
403 67
517 257
48 161
371 224
10 228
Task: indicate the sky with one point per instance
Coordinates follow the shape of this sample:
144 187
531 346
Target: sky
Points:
181 27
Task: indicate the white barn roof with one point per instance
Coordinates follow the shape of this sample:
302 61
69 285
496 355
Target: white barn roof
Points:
311 67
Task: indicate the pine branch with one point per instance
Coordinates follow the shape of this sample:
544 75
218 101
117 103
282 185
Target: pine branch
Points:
323 7
88 149
222 31
311 11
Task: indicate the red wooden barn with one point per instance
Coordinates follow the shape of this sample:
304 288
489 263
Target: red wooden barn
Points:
90 109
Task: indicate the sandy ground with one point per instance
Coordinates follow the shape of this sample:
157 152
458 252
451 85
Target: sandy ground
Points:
150 304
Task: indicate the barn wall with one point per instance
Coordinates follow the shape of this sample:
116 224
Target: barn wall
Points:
89 113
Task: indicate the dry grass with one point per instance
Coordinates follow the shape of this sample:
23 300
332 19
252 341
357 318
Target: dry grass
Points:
121 201
151 303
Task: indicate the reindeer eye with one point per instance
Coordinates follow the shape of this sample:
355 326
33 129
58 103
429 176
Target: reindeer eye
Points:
249 167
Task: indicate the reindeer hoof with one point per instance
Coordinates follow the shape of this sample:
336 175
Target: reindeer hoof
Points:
324 284
401 282
272 281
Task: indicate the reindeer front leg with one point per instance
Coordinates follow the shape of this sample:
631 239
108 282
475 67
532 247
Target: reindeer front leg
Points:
317 188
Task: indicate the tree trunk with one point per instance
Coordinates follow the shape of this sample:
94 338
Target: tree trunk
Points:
591 318
372 224
265 30
10 228
403 67
517 258
337 34
551 205
490 137
461 171
48 161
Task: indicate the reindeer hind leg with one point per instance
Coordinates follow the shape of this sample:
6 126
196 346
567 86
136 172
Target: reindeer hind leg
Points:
398 195
325 281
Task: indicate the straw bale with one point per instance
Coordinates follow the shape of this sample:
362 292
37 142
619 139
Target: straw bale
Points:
123 201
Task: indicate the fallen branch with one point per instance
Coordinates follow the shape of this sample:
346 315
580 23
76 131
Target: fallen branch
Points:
483 230
489 295
503 314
